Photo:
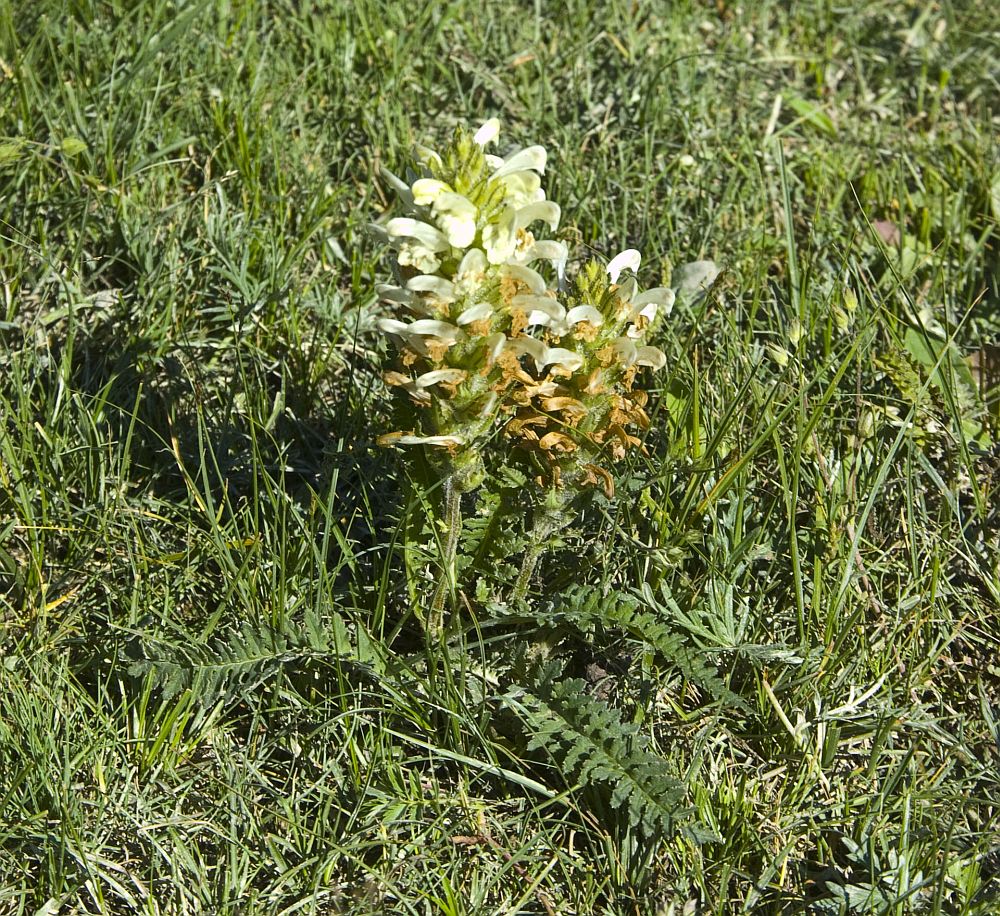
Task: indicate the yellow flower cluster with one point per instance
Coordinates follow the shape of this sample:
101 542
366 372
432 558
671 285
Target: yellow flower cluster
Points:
485 338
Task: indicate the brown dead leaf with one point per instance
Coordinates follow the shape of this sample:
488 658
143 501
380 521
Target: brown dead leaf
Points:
888 231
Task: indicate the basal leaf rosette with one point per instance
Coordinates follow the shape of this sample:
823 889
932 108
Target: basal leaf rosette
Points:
463 252
571 393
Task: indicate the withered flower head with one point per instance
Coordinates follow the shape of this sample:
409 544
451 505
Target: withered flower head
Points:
573 399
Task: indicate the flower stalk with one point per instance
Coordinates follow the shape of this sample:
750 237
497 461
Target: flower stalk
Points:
551 517
447 577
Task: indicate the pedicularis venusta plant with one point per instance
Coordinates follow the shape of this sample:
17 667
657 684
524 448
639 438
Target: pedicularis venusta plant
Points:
491 337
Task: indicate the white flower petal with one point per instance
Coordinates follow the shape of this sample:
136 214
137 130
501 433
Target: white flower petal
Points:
421 259
563 357
650 356
540 309
473 263
440 288
432 327
521 188
546 250
546 210
629 259
422 327
414 332
499 247
495 344
476 312
457 217
452 204
648 311
584 313
429 236
405 334
520 346
499 239
658 295
410 387
488 132
392 326
532 157
530 278
544 356
538 318
494 162
461 232
426 190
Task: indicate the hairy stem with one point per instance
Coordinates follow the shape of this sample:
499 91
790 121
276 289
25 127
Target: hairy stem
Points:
550 517
446 579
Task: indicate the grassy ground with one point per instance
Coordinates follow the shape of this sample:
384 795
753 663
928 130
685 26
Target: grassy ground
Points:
215 695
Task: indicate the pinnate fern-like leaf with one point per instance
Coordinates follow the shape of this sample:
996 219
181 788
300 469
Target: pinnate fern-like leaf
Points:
237 662
642 618
591 745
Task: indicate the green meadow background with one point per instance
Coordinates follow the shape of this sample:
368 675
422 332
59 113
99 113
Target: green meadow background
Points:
215 693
